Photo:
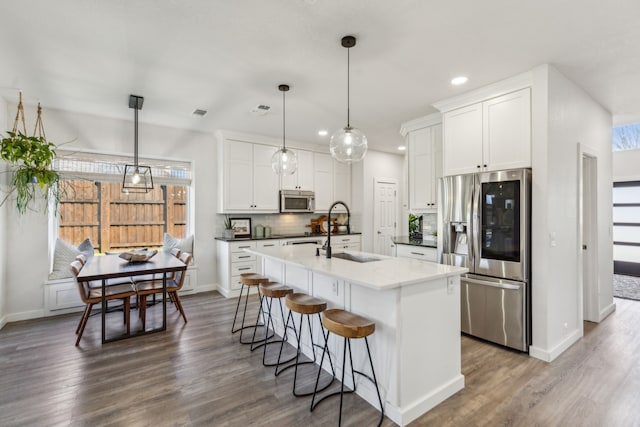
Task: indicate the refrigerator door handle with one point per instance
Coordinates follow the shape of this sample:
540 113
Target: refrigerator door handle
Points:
493 284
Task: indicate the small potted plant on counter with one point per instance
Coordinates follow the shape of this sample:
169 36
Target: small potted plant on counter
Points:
229 233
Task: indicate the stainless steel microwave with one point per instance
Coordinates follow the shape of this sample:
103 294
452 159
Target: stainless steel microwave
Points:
297 201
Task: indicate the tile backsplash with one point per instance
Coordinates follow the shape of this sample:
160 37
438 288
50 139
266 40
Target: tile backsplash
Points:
282 223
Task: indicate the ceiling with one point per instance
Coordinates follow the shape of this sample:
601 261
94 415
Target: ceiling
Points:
227 57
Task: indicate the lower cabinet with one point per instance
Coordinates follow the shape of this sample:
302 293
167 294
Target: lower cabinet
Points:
349 242
417 252
232 261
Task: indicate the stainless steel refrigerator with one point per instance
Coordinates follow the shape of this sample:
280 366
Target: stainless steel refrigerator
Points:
486 227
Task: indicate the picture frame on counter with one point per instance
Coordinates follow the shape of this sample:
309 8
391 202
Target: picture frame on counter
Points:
241 227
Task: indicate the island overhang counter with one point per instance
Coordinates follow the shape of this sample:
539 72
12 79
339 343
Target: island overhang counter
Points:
415 305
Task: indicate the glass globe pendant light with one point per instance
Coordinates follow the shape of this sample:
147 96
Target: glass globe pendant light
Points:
284 161
348 144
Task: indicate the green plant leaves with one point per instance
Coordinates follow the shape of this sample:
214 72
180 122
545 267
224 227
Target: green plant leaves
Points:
32 156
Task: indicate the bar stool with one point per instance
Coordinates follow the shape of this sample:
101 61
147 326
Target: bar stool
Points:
348 325
304 305
249 280
270 291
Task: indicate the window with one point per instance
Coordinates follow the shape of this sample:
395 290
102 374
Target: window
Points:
626 137
93 205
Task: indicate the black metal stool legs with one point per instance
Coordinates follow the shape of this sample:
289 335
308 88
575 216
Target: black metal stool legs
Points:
268 321
342 392
242 326
297 357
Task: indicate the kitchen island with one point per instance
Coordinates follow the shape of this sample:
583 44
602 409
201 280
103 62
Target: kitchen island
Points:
416 308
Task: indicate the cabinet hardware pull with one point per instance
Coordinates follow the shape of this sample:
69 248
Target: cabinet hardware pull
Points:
245 256
417 253
245 268
243 247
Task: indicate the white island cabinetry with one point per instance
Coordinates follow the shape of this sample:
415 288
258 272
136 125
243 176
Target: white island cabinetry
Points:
232 260
416 308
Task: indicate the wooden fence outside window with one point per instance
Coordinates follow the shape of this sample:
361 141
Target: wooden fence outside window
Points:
115 221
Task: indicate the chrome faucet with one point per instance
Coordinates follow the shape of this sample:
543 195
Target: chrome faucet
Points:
328 244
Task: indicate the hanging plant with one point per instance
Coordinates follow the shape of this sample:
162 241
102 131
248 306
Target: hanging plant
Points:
31 158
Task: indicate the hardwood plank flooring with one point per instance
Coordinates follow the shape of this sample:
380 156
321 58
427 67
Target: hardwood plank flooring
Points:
198 374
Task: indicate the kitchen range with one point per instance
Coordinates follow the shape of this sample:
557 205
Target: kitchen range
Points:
486 228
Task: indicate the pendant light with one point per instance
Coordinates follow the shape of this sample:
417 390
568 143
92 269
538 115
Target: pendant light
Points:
348 144
284 161
136 179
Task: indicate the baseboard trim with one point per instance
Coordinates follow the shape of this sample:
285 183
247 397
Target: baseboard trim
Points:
553 353
3 321
226 292
407 414
605 312
25 315
206 288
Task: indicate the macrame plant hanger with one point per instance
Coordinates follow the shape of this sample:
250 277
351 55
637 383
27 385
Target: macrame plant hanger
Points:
38 130
20 115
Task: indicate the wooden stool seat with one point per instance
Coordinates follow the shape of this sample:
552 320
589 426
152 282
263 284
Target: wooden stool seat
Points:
347 324
253 279
305 304
275 290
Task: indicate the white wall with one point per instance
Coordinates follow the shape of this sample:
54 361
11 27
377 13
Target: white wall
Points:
4 121
626 165
563 116
28 259
375 165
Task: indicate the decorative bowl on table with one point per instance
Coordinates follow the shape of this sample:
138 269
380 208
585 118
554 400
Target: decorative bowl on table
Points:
138 256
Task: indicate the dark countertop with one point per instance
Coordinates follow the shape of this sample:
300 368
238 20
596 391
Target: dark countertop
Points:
406 240
284 236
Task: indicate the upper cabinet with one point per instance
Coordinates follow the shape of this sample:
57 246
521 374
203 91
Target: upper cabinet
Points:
332 182
487 136
424 161
302 179
425 166
246 182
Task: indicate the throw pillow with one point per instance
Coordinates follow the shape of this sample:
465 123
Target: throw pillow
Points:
185 245
64 254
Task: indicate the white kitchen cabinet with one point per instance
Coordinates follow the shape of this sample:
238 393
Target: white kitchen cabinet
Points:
417 252
487 136
248 184
332 182
232 261
351 242
302 179
425 167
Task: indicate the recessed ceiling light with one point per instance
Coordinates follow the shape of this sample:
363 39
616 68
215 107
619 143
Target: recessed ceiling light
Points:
460 80
402 147
323 133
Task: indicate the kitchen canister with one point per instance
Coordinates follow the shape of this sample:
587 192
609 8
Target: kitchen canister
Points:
259 231
267 231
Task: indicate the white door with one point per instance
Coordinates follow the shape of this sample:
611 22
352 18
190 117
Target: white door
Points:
589 239
384 215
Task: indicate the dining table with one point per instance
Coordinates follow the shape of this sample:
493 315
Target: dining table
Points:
105 267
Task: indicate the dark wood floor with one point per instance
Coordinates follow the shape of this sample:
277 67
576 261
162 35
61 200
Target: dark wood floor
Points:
198 374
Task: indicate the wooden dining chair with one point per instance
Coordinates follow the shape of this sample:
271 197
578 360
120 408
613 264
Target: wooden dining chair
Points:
153 287
92 296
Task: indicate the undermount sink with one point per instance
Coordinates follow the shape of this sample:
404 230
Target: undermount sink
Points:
356 258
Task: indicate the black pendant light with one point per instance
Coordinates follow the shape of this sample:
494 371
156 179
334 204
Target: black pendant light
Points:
284 161
348 144
136 179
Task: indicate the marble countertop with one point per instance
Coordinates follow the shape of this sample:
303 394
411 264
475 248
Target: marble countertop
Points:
406 240
386 273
